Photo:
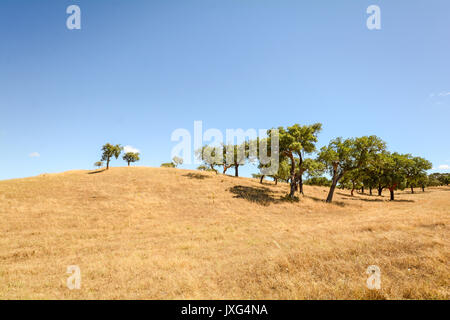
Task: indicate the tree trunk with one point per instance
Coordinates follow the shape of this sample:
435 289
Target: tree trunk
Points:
128 163
333 187
225 168
362 189
336 177
353 189
276 181
370 190
330 194
262 178
236 170
293 180
300 173
292 193
107 164
380 190
423 188
392 193
300 183
412 189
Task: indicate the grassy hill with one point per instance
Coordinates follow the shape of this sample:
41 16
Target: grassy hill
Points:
154 233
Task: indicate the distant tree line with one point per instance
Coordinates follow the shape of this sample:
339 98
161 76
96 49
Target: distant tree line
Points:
354 163
438 179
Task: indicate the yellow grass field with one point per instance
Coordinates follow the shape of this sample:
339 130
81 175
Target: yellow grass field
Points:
154 233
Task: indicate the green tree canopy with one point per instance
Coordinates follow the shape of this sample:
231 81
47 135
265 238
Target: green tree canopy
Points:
310 167
167 165
395 171
294 142
353 180
416 171
177 161
318 181
283 173
130 157
110 151
98 164
439 179
342 156
235 156
211 156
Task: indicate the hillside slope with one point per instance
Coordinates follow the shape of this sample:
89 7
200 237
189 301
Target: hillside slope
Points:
154 233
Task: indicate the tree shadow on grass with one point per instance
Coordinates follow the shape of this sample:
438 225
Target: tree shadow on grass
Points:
355 198
264 196
98 171
347 197
342 194
402 200
197 176
427 190
314 198
260 195
338 203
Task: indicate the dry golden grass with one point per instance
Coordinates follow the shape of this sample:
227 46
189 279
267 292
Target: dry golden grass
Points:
153 233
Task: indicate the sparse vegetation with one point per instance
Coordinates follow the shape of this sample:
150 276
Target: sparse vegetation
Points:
205 168
167 165
176 161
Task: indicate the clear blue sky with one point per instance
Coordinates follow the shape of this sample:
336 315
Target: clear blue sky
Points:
137 70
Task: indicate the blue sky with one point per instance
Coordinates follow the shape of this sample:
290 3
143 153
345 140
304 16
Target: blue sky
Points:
138 70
